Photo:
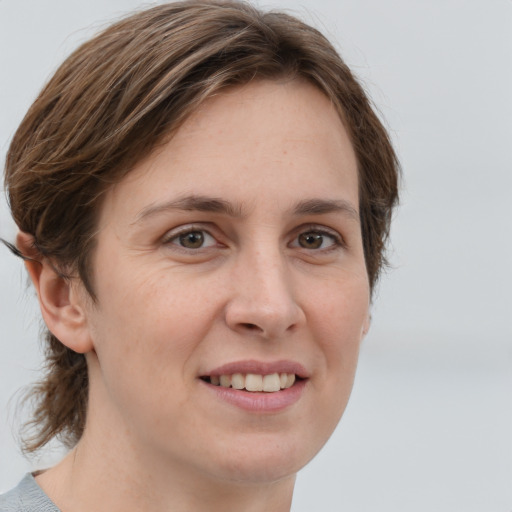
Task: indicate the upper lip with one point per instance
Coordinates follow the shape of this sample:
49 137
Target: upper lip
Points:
260 368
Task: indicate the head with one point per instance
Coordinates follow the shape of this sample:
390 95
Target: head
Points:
118 102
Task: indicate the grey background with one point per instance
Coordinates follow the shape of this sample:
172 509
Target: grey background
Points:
429 425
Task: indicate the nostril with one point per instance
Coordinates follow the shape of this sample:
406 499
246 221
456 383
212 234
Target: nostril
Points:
250 327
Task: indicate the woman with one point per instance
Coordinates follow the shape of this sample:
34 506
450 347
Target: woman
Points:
203 194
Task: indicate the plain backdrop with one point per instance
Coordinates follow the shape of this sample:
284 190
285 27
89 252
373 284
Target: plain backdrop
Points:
429 425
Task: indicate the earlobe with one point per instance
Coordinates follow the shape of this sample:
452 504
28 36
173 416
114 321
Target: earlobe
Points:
62 308
366 325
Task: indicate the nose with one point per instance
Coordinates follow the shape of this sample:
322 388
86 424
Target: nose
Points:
263 301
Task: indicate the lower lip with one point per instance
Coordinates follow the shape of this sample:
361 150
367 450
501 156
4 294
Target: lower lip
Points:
259 402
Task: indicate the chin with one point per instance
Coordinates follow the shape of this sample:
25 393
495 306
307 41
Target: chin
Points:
265 459
260 470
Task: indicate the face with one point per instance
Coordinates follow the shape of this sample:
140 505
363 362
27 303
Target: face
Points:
232 257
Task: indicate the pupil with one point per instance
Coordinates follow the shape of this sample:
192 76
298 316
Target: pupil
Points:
310 240
192 240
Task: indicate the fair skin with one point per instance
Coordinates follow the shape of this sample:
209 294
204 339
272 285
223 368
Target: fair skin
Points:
236 243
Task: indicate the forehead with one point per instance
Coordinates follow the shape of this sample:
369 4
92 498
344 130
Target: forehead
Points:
283 138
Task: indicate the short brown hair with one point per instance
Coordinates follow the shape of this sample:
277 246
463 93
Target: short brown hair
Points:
125 91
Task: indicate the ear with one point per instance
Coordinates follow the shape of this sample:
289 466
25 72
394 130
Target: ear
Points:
366 324
61 301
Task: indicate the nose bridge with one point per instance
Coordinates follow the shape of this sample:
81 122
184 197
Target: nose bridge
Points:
270 280
263 301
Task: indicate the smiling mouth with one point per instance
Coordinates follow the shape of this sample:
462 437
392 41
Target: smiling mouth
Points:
253 382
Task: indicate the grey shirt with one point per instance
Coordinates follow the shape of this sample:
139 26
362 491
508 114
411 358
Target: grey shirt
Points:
26 497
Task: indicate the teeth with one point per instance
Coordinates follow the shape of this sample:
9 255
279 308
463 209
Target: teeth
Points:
291 380
237 381
271 382
254 382
225 381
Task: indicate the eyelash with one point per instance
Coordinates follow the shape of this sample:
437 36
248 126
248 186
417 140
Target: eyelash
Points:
337 240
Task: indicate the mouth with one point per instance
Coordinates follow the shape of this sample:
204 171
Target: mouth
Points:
253 382
257 387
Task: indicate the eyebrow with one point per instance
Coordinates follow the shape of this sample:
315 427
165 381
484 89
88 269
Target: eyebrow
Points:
324 206
192 203
216 205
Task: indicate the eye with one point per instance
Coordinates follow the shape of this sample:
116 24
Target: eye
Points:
192 239
316 239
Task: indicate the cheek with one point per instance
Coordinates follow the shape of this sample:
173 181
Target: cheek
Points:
142 362
152 303
146 330
341 312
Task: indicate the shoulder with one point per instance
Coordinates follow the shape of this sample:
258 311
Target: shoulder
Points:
27 496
